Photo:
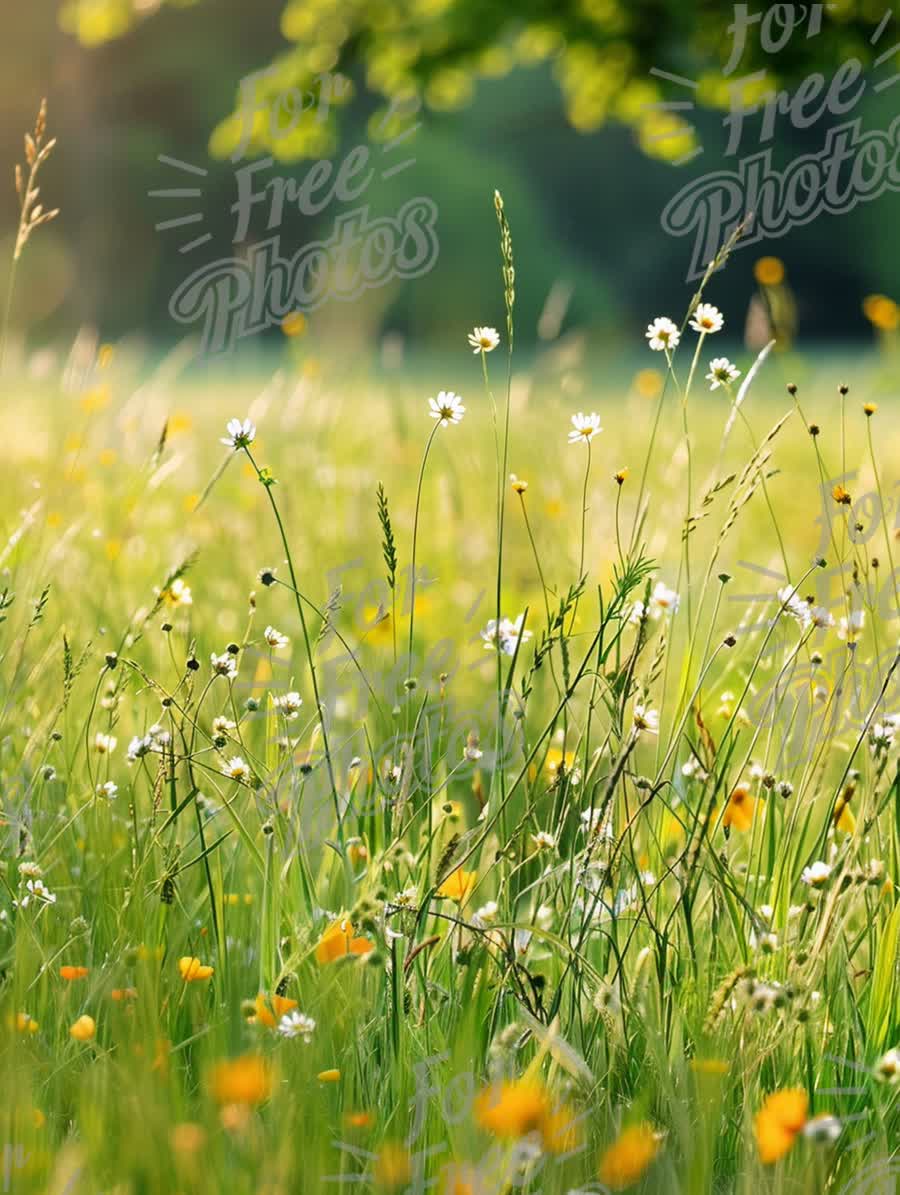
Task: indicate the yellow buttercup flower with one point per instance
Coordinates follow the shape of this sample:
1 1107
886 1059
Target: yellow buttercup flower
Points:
512 1108
329 1076
393 1166
192 969
739 811
769 271
883 313
458 885
84 1029
626 1160
778 1123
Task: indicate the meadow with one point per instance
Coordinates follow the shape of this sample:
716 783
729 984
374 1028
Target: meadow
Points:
400 797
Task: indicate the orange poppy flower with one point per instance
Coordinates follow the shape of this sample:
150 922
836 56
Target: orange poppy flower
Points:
70 973
270 1010
778 1123
123 994
243 1080
628 1157
84 1029
512 1108
339 940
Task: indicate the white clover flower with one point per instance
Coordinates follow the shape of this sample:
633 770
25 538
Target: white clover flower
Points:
585 427
721 373
823 1129
850 628
295 1024
275 638
707 319
447 408
138 747
817 875
484 340
240 434
662 334
224 665
544 841
108 790
236 769
104 743
29 870
888 1067
288 704
645 719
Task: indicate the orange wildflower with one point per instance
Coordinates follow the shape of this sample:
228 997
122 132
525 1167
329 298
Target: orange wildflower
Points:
512 1108
393 1167
339 940
778 1123
739 810
70 973
270 1010
123 994
458 885
84 1029
243 1080
626 1160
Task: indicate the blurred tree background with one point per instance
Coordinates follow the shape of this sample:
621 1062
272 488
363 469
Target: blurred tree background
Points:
548 100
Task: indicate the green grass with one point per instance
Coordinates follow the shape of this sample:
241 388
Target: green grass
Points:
629 1002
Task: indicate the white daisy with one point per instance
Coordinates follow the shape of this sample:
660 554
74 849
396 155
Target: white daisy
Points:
447 408
178 594
484 340
295 1024
222 725
288 704
236 768
275 638
240 434
721 373
888 1067
585 427
645 719
707 318
820 617
104 743
793 604
850 628
224 665
108 790
544 841
512 634
37 890
138 747
817 875
663 600
662 334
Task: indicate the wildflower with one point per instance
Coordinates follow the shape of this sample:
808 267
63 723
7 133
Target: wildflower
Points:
850 629
823 1129
739 811
458 885
236 769
193 970
240 434
120 994
447 408
486 914
585 427
71 973
817 875
275 638
882 312
393 1166
518 484
544 841
29 870
288 704
25 1023
841 496
707 319
245 1080
267 576
340 940
781 1118
484 340
108 789
222 725
662 334
37 890
820 617
870 408
177 594
645 719
628 1158
888 1067
785 789
84 1029
769 271
268 1011
224 664
619 478
721 373
512 1108
793 604
663 601
472 751
104 743
332 1075
506 636
295 1024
